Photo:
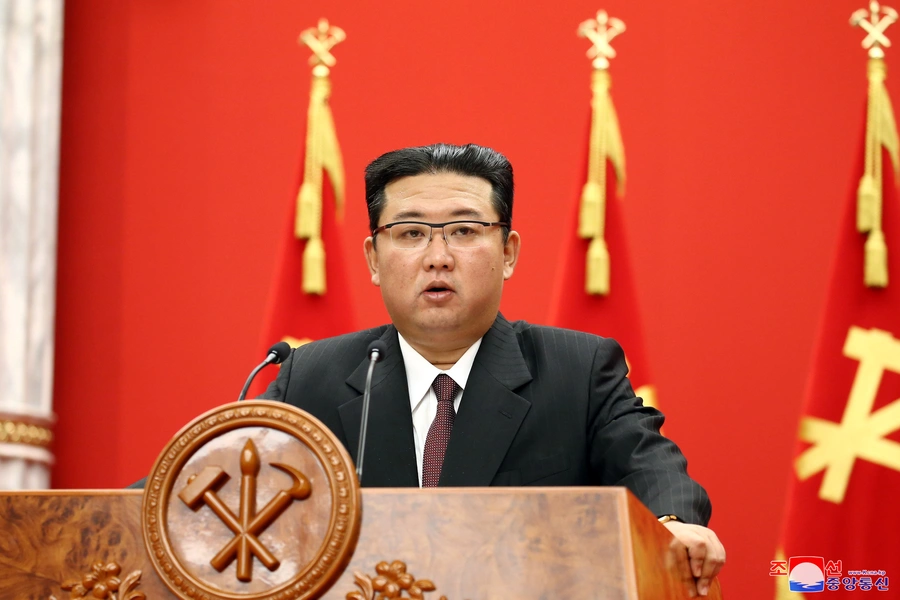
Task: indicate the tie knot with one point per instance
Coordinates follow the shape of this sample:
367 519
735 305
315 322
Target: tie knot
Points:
445 388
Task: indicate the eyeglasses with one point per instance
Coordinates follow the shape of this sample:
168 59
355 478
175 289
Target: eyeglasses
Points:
411 235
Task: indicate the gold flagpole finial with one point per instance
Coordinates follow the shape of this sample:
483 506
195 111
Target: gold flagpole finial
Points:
874 25
605 145
881 133
322 154
600 32
321 39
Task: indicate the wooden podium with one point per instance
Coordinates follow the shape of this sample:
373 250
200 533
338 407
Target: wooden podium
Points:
441 543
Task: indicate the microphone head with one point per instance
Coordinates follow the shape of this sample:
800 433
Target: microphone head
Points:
379 348
281 350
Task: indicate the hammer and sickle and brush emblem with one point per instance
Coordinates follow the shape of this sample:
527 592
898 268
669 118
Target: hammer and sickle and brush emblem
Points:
321 39
600 32
248 524
874 22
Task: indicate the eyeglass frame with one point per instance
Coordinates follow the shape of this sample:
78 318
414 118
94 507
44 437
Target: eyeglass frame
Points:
433 226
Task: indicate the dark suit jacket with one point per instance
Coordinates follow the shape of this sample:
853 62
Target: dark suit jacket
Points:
542 406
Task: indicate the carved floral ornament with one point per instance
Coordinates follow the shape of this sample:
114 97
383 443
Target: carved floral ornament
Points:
391 581
103 583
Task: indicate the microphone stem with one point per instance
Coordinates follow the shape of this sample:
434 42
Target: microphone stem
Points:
365 417
272 356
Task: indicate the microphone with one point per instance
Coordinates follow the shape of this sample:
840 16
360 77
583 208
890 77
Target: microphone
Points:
375 352
276 355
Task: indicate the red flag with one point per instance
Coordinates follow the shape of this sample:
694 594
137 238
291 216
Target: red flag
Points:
614 315
846 476
310 298
293 315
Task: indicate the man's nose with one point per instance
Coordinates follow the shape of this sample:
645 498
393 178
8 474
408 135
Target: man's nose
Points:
437 252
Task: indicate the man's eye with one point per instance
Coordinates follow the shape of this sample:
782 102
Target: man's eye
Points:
411 233
463 230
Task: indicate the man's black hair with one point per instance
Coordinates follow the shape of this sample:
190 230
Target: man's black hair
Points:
471 159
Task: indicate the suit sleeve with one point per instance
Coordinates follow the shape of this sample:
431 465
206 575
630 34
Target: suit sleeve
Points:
627 449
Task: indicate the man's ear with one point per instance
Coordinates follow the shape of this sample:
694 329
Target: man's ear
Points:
511 254
372 259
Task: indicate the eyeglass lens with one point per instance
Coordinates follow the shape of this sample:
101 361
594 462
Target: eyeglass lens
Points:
417 235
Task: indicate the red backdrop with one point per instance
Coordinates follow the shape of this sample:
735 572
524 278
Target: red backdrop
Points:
182 129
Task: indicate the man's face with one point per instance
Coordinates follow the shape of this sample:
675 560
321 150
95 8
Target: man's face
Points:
441 296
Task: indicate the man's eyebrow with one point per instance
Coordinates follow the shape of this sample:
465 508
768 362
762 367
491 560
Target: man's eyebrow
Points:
417 214
466 212
409 214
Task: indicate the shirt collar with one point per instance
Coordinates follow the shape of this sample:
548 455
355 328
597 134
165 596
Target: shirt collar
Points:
420 373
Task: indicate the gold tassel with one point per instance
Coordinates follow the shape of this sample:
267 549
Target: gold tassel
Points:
606 144
591 203
615 151
597 280
332 161
323 154
867 197
307 203
881 132
887 125
876 274
314 267
309 199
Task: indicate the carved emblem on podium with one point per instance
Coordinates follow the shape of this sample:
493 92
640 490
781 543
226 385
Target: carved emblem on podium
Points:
247 524
296 509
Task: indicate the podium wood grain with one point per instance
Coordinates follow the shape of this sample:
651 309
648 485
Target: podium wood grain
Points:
473 543
50 538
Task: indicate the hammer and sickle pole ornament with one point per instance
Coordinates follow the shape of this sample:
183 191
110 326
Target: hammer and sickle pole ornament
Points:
600 32
248 524
874 25
881 134
605 145
321 39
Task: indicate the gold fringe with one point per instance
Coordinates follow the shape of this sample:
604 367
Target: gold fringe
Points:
868 197
888 134
295 342
308 203
591 215
615 151
605 145
332 161
876 274
322 154
881 132
597 280
314 267
647 393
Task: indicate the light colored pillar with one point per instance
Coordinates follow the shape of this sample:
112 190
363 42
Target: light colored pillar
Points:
30 85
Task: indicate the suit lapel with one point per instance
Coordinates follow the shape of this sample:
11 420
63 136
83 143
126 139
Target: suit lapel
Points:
490 412
390 455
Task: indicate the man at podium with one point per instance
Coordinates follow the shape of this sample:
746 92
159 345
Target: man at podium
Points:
464 397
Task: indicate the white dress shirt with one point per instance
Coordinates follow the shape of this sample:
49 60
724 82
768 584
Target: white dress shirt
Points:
420 374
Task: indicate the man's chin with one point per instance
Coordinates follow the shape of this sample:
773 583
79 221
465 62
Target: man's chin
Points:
440 324
452 327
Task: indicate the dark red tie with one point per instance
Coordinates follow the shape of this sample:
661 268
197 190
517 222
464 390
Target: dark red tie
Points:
439 433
